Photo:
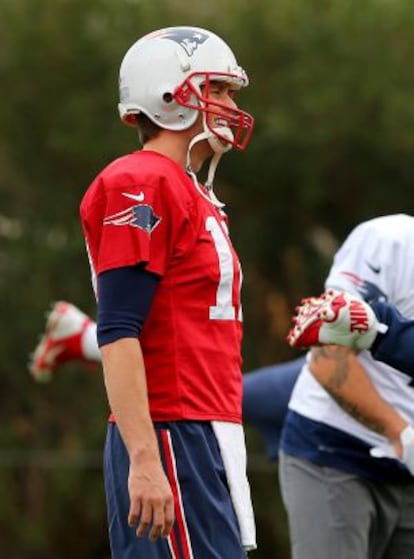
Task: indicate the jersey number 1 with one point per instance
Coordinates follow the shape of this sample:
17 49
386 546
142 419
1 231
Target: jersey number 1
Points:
224 308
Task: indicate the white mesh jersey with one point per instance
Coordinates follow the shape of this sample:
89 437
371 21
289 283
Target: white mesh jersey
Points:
376 262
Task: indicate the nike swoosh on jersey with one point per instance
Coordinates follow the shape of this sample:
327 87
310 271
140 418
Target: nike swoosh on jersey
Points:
137 197
375 269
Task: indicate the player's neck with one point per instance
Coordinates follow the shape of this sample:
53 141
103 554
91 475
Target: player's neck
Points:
175 145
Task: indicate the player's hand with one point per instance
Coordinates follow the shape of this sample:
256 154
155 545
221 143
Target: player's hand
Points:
335 317
403 450
151 500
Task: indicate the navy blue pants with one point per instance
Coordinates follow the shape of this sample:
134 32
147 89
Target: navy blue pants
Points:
205 523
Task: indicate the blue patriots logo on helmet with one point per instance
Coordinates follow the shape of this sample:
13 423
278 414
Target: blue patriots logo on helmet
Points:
369 291
141 216
188 39
372 293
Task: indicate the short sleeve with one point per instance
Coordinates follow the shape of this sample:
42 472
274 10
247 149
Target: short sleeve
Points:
139 225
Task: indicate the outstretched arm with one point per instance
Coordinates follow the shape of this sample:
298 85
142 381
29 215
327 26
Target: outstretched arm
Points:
343 319
266 395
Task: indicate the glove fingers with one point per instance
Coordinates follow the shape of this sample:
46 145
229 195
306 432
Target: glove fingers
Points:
385 451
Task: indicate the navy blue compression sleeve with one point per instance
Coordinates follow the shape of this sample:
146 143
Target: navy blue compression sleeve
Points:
125 296
396 346
266 394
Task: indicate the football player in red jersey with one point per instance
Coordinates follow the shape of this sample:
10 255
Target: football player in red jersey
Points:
169 322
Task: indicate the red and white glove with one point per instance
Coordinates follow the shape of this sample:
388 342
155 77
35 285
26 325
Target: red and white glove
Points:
336 317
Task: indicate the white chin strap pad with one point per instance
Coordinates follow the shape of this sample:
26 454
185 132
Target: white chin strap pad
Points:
218 145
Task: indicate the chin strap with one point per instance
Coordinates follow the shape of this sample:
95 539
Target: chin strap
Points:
219 148
210 196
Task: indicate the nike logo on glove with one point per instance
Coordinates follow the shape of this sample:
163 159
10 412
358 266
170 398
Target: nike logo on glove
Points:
137 197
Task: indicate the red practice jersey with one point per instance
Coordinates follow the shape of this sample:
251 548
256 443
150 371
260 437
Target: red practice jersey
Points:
144 208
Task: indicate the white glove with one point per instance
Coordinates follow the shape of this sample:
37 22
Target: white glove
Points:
335 317
407 443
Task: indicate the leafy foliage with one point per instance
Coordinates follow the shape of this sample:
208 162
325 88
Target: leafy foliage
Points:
331 91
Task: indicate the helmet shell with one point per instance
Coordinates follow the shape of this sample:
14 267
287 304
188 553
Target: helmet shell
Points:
157 64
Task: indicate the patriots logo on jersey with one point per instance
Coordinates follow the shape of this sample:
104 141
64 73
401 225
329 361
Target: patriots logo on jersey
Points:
189 40
141 216
369 291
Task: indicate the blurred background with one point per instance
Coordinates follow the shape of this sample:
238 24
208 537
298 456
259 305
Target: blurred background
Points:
332 85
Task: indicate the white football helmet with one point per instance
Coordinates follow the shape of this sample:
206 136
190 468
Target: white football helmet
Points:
167 74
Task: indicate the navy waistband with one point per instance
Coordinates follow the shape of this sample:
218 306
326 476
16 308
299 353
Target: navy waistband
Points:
326 446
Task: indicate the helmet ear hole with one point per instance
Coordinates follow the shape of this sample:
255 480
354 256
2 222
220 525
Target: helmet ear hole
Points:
130 119
168 97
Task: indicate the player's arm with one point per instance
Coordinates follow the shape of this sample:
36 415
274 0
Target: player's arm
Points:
339 371
327 320
343 319
395 347
121 315
266 395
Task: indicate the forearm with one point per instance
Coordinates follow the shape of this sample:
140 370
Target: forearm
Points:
396 346
338 370
150 496
126 387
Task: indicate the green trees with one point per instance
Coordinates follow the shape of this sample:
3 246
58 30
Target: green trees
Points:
331 88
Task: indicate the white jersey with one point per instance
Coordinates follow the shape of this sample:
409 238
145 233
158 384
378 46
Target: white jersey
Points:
376 262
